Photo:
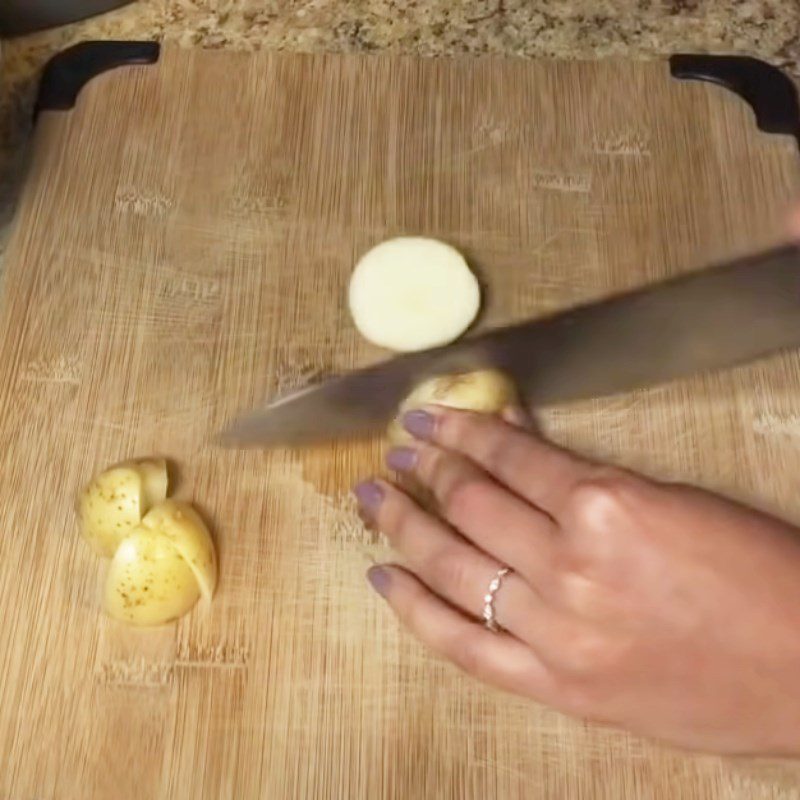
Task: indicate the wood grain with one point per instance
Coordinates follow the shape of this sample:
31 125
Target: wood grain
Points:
182 252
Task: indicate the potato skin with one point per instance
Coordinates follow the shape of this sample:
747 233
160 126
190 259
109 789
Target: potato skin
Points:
115 501
162 555
148 581
188 534
109 507
487 391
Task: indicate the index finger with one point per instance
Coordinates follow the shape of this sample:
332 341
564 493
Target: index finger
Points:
541 473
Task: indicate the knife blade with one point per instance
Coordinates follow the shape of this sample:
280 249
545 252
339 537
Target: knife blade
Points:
709 319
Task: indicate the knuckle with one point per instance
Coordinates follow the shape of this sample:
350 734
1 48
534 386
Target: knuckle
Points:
463 495
599 501
494 447
454 425
473 432
432 467
449 572
587 653
468 655
413 610
396 518
578 592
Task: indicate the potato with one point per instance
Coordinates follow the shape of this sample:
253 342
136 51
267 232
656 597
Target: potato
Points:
413 293
182 526
149 582
162 555
488 391
116 500
154 480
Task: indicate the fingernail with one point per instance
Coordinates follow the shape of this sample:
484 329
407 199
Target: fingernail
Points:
369 495
403 459
379 580
419 423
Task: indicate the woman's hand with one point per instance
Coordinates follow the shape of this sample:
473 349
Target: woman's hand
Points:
658 608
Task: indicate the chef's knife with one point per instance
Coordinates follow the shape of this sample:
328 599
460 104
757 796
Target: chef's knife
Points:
710 319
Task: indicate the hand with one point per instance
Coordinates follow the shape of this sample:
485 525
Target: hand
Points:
658 608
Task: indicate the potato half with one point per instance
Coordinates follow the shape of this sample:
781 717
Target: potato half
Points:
488 391
115 501
182 526
149 582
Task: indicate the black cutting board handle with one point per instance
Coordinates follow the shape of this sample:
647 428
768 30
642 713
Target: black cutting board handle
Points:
770 92
70 70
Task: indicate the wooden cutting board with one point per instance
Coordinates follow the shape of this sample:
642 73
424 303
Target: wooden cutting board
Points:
182 251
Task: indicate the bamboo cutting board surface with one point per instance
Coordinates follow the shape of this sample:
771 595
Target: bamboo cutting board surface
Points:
182 251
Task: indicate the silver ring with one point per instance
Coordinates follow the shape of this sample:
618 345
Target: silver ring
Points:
489 619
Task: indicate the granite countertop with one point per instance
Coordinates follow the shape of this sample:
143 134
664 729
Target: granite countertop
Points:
769 29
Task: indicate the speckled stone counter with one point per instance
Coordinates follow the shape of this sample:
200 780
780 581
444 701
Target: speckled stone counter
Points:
769 29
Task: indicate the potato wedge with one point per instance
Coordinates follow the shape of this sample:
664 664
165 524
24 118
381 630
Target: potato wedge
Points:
109 507
115 501
488 391
149 582
182 526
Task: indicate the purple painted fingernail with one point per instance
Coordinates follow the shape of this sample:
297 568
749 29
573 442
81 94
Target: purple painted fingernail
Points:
369 495
419 423
403 459
379 579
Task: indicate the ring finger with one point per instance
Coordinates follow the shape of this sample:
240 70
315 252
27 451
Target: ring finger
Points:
452 567
497 521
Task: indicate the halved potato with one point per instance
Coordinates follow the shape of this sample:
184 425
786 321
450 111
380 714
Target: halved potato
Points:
488 391
182 526
149 582
116 500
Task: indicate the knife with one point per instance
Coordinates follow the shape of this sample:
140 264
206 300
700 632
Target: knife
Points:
714 318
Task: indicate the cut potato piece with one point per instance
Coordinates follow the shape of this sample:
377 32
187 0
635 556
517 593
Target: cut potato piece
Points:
154 480
412 293
182 526
116 500
149 582
109 507
488 391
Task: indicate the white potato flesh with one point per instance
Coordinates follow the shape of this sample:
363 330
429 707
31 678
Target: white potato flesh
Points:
155 480
182 526
149 582
116 500
413 293
487 391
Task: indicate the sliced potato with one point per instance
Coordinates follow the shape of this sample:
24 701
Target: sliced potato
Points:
116 500
182 526
488 391
149 582
109 507
155 480
413 293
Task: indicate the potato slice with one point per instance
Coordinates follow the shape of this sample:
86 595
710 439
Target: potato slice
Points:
149 582
413 293
182 526
116 500
109 507
488 391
